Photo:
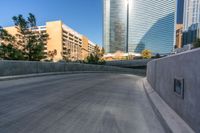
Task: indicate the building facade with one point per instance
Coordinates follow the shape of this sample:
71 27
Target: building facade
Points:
191 34
191 14
134 25
191 21
115 24
64 40
179 35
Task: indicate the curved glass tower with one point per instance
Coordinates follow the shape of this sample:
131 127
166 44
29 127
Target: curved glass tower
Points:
115 25
135 25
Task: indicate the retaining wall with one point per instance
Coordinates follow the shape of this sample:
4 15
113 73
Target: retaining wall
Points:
161 74
129 63
9 68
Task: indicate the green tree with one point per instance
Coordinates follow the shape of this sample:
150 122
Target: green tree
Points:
27 42
28 39
66 55
196 44
6 37
96 56
8 48
52 54
8 52
92 59
102 52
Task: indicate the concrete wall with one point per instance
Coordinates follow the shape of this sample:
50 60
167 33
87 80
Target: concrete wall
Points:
161 74
129 64
8 68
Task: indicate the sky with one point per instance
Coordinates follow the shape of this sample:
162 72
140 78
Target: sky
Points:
84 16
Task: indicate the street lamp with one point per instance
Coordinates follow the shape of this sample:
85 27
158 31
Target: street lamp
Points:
127 25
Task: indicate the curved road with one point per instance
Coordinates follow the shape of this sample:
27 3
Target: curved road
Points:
77 103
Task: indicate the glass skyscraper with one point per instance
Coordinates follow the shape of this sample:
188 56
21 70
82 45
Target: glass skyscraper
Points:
135 25
115 21
191 17
191 21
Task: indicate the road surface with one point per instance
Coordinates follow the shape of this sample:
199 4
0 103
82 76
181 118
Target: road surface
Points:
77 103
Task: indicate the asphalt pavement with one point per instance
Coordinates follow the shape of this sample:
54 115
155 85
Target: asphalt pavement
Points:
77 103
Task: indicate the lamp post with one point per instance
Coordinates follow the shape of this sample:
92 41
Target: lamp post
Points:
127 25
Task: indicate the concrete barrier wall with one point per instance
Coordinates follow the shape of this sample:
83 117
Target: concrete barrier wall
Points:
129 64
161 74
9 68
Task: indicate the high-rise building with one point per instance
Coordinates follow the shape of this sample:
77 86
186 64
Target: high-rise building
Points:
179 35
135 25
115 25
191 17
191 34
64 40
191 21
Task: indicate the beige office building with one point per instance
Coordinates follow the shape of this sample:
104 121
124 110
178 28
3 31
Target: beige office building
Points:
63 39
179 35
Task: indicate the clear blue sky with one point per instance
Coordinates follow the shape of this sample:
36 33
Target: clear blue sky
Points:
85 16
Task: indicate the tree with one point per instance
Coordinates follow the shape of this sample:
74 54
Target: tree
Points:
8 52
6 37
96 56
146 54
97 51
157 55
27 42
66 55
196 44
28 39
93 59
102 52
52 54
8 49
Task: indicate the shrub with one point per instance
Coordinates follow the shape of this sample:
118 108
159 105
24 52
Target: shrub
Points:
196 44
146 54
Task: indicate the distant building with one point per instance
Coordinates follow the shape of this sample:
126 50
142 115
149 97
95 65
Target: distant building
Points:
191 14
91 47
191 21
131 26
64 40
179 35
191 35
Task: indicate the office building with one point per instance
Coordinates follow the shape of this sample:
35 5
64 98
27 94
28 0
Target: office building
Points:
191 21
179 35
63 39
134 25
191 14
191 34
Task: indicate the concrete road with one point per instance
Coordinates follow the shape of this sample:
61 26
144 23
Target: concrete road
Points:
79 103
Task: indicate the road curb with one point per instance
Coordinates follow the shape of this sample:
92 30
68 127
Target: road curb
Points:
169 119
